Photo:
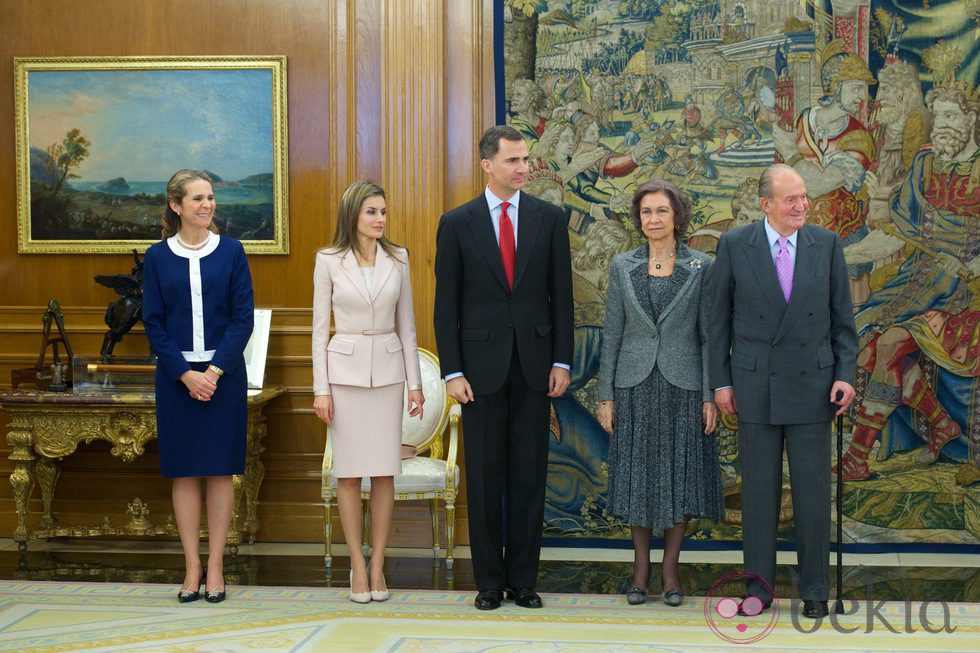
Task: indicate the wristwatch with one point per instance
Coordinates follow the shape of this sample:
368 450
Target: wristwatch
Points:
217 370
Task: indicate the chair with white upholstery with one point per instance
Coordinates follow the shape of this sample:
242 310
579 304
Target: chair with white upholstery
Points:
429 475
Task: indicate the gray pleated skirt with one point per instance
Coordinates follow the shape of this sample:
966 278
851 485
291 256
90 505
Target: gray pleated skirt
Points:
662 467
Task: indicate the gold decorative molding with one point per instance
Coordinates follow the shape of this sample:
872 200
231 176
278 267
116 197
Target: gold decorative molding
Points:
45 427
58 434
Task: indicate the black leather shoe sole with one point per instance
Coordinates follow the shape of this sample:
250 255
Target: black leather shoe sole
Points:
815 609
525 597
533 602
752 609
488 600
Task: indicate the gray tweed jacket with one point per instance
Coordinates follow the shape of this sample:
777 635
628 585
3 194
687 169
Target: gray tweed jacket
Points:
676 341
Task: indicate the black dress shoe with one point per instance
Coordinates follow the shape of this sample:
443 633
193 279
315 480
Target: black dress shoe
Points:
525 597
814 609
488 600
750 606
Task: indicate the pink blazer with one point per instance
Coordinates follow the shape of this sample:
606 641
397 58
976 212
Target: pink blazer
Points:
374 343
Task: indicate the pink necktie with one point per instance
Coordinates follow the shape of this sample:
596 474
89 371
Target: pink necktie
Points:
784 268
507 246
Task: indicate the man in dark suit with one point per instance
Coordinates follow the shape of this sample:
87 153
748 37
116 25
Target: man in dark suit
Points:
503 325
783 346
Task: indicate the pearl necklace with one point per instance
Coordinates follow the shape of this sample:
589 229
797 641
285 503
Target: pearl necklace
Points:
658 265
193 247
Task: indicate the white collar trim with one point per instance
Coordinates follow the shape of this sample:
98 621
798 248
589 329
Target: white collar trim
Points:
183 252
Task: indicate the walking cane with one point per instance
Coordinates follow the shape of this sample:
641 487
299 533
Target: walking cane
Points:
839 604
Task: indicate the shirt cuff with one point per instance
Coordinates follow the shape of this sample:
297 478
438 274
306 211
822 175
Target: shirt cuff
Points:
450 377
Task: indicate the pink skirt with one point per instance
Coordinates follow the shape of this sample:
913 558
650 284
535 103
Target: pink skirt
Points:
367 430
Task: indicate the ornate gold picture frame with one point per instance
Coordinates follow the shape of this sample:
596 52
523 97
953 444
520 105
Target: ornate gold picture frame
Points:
98 138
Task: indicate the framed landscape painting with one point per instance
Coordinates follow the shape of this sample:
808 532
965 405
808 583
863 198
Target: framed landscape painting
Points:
98 138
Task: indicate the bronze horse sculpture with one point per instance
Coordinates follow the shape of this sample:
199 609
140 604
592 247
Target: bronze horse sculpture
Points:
122 314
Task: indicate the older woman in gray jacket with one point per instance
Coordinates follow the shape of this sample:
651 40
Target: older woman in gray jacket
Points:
653 388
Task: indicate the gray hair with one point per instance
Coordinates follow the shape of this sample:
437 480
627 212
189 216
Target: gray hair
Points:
765 180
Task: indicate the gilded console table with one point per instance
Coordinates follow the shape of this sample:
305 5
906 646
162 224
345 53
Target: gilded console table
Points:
47 426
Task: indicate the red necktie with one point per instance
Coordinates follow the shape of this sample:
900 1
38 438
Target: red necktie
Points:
507 247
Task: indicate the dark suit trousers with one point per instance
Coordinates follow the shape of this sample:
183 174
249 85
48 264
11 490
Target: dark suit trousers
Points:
506 455
808 450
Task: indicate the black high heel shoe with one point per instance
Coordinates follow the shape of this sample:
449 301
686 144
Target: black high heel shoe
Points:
214 597
187 596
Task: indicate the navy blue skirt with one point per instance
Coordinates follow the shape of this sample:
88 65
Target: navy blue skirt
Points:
202 438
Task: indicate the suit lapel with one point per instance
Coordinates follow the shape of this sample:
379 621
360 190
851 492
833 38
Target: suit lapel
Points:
348 263
481 225
684 259
760 261
528 225
383 266
803 280
636 285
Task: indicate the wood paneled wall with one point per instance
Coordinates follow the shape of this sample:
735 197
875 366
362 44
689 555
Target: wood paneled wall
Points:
393 90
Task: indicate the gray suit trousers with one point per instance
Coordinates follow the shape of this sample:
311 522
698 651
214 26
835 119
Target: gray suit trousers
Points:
808 450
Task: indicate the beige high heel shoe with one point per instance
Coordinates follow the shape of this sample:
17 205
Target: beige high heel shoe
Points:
378 595
358 597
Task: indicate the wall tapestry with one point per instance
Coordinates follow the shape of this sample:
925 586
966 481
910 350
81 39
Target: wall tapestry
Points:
875 104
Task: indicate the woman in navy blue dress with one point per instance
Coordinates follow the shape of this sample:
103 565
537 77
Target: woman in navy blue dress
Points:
197 310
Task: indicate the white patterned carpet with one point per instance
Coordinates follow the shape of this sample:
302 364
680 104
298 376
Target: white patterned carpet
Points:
43 617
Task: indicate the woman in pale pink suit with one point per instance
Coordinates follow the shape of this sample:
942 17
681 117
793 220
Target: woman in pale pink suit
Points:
359 374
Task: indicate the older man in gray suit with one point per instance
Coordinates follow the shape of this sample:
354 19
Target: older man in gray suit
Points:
782 357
